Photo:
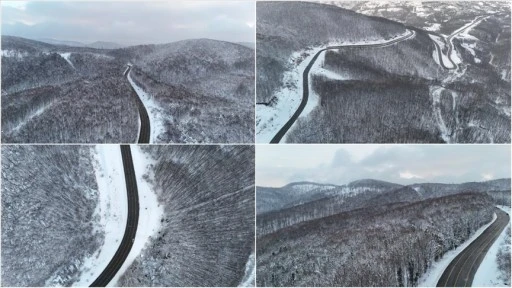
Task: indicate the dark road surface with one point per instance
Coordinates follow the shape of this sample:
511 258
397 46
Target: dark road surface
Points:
144 117
131 225
462 269
305 88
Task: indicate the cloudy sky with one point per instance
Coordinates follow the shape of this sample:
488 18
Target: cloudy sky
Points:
130 22
278 165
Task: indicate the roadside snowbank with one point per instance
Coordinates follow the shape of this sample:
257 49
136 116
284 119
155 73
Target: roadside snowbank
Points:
155 112
250 272
111 213
150 211
488 273
433 274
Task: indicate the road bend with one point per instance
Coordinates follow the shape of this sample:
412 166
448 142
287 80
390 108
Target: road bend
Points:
131 225
462 269
145 127
305 83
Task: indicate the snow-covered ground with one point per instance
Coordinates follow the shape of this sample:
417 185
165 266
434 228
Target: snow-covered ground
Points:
433 27
111 213
150 211
440 42
250 272
269 119
13 53
155 112
66 57
435 272
435 92
488 273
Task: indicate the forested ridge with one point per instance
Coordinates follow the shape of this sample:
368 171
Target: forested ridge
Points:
61 94
378 235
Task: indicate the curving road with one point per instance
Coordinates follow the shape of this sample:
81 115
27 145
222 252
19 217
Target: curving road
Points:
462 269
305 83
448 41
145 128
131 225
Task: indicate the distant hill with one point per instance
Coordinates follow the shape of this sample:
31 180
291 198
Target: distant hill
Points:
105 45
97 44
303 201
62 42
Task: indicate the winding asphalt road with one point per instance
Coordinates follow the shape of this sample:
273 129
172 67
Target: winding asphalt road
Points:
449 42
131 225
145 128
462 269
305 83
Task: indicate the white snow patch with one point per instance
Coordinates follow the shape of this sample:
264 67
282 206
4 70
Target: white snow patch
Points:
155 112
488 273
435 92
309 187
250 272
437 269
150 210
269 119
111 211
66 57
13 53
433 27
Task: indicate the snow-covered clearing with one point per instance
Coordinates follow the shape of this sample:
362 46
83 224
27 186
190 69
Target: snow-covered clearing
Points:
13 53
150 211
433 27
110 214
488 273
435 92
250 272
434 273
66 57
155 112
471 49
269 119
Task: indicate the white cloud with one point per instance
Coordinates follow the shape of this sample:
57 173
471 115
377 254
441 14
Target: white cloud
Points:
129 22
409 175
402 164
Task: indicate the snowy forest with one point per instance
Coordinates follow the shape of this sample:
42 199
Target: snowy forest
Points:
62 204
364 94
207 230
314 238
49 194
203 91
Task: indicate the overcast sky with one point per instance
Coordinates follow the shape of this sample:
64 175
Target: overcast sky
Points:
278 165
130 22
